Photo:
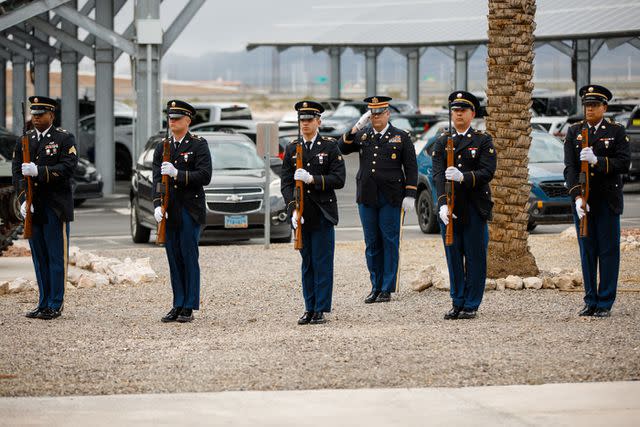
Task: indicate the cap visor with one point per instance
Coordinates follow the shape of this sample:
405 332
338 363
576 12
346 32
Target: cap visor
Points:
307 116
176 115
38 112
378 110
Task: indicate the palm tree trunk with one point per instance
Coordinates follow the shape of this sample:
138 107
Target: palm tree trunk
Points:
509 87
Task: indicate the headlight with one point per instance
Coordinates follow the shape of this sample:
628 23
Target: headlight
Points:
274 188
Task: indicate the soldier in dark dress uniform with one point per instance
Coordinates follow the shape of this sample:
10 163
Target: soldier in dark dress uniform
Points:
323 172
386 184
475 165
189 171
609 159
53 160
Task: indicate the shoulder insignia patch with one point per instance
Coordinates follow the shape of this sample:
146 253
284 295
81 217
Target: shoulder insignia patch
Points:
328 138
72 150
62 130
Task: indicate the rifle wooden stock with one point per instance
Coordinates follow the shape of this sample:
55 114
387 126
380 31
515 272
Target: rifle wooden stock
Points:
450 190
26 158
584 184
299 199
161 237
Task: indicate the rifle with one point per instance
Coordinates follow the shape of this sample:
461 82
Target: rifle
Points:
449 187
584 181
298 194
26 158
161 236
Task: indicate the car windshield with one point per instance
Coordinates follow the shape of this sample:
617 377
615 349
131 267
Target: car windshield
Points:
235 155
347 111
545 148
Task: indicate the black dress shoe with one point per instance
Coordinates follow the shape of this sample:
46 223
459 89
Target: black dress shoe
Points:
467 314
384 297
602 312
372 297
318 318
172 315
587 310
306 318
453 313
33 313
49 313
186 315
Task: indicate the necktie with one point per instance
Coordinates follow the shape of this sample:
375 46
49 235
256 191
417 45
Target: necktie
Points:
308 145
377 137
39 137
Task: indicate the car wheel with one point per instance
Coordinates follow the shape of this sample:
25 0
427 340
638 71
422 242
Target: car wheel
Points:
281 239
427 218
531 226
78 202
123 164
139 233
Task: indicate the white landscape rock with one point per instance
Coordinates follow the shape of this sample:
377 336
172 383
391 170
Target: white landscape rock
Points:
424 279
514 282
501 284
490 285
547 283
532 283
4 287
440 281
73 254
20 285
565 283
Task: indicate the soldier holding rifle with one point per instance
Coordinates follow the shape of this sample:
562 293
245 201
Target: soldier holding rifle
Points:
189 170
474 163
322 171
45 160
596 156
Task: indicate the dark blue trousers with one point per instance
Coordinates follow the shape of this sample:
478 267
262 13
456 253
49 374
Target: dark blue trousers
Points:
318 245
381 226
182 252
50 253
467 260
600 249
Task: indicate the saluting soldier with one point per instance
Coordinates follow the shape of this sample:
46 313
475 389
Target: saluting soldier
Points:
53 159
386 184
609 159
475 165
322 174
189 171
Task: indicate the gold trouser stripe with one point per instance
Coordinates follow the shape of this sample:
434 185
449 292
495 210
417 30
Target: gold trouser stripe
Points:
399 245
187 172
474 179
65 249
607 159
322 176
47 169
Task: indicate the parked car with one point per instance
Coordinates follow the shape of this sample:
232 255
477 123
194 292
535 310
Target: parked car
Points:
86 182
633 133
405 107
420 123
216 111
548 103
552 124
234 197
123 134
549 200
245 127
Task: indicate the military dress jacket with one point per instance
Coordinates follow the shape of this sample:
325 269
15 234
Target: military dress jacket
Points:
325 163
56 157
475 157
192 158
387 165
610 144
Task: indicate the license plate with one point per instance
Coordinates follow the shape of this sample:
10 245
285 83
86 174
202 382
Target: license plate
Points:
236 221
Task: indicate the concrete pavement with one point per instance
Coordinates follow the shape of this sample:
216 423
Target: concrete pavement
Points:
583 404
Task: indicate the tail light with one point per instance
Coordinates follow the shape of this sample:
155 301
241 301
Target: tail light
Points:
281 155
426 127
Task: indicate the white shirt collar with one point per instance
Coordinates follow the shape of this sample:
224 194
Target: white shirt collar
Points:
596 126
313 140
38 133
382 132
176 141
462 133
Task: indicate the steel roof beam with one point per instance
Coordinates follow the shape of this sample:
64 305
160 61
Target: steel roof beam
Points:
62 36
182 20
27 11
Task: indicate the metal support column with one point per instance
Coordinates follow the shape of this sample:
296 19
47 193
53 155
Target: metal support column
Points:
582 60
371 67
413 76
105 147
275 71
69 80
334 68
3 93
19 89
147 72
41 60
461 57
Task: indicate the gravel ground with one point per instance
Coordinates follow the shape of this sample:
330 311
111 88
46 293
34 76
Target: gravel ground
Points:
110 340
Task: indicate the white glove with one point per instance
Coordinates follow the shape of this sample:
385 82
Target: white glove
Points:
363 120
408 203
453 174
444 214
167 168
29 169
23 209
303 175
586 154
580 209
294 219
157 214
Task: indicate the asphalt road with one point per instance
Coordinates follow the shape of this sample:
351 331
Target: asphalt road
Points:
104 223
